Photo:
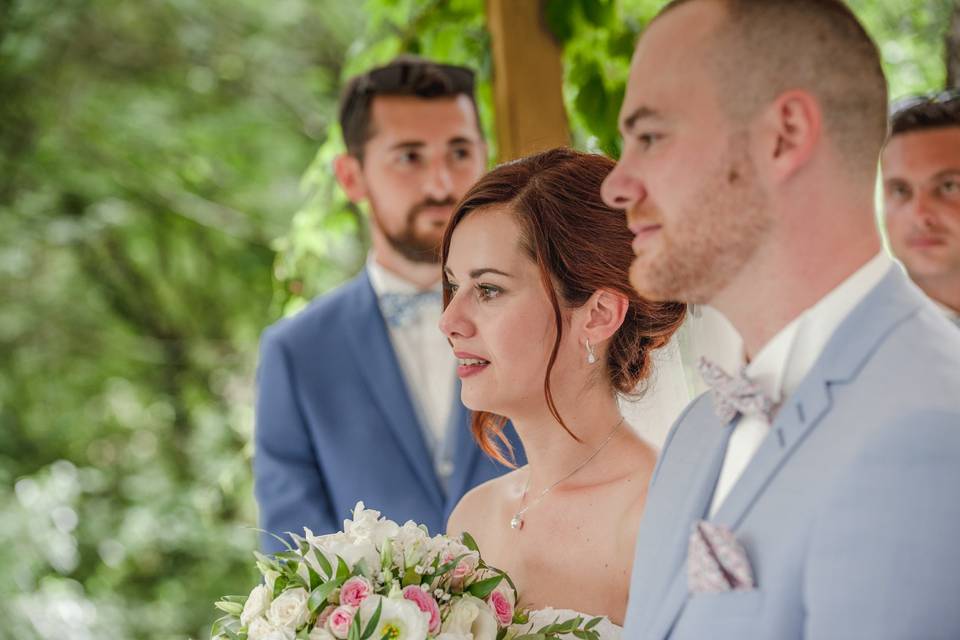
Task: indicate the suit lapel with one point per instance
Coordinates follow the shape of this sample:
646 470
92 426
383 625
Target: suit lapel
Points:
367 333
705 470
853 342
891 302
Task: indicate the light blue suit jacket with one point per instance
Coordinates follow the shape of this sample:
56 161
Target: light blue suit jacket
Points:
335 424
850 510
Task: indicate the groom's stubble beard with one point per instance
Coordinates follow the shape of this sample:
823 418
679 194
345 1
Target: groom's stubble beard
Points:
415 246
710 238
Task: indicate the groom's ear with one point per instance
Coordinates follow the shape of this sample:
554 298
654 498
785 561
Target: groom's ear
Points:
603 314
791 133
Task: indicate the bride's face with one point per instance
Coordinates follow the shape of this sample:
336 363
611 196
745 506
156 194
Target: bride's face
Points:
499 321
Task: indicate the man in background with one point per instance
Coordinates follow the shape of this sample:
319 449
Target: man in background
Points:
921 187
357 394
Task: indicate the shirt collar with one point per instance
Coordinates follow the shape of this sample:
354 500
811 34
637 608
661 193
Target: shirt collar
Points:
787 358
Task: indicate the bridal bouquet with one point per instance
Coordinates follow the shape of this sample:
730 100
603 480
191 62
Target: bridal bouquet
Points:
377 580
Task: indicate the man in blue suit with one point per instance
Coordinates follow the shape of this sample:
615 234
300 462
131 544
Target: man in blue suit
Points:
357 394
812 493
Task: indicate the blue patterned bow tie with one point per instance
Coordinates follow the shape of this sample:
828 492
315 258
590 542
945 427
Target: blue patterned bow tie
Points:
400 309
735 394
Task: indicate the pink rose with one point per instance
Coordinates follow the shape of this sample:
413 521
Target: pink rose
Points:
340 621
355 590
325 614
502 607
426 603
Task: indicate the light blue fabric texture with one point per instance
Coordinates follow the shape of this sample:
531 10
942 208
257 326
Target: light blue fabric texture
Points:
850 510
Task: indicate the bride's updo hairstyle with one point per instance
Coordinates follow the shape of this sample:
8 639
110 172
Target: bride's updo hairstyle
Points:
580 245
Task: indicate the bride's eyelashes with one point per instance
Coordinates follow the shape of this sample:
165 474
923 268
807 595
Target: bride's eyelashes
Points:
484 291
488 291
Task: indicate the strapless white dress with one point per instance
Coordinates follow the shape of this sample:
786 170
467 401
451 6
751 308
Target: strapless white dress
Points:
543 617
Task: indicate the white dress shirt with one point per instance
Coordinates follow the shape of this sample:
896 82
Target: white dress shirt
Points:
427 363
787 358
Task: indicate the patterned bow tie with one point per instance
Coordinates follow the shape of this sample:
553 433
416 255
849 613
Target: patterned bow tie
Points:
733 395
400 309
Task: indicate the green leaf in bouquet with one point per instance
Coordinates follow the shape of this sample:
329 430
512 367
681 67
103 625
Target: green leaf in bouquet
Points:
469 542
318 597
240 599
324 563
343 570
361 568
354 632
374 621
521 616
280 585
592 623
483 588
266 563
410 577
531 636
231 608
315 579
282 540
447 566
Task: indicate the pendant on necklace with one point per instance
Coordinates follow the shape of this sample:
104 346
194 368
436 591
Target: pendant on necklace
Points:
516 522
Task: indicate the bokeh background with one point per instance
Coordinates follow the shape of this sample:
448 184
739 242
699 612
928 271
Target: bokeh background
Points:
164 195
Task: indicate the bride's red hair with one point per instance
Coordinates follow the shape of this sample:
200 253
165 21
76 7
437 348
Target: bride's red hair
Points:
580 245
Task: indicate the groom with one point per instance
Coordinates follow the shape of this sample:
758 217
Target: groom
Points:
816 495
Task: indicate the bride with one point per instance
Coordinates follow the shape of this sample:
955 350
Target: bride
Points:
548 333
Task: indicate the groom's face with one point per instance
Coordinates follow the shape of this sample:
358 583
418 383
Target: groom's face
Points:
686 178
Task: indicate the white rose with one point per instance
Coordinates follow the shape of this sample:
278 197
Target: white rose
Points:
352 552
471 616
319 633
400 619
256 604
290 609
260 629
367 525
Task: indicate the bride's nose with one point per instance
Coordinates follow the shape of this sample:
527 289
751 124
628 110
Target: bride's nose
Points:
455 320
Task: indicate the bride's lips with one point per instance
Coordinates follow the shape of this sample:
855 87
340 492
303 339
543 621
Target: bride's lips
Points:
469 364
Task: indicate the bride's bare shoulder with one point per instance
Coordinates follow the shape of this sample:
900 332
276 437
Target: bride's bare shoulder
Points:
475 507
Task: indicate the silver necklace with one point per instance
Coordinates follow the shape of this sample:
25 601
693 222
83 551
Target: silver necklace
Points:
516 522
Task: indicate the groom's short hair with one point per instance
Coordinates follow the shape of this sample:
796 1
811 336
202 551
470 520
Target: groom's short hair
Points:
766 47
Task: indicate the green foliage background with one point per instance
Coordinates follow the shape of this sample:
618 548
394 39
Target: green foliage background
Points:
164 195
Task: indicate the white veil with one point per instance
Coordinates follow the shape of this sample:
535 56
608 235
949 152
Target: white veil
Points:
675 381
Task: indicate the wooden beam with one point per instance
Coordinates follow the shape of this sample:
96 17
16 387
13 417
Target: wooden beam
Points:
528 80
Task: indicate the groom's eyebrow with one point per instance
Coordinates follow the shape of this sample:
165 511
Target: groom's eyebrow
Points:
640 113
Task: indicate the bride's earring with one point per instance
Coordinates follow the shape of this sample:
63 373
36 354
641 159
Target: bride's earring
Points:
591 356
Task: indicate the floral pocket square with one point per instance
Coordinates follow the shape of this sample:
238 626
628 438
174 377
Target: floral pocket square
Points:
716 562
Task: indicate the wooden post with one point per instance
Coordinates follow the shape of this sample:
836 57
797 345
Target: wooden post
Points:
528 77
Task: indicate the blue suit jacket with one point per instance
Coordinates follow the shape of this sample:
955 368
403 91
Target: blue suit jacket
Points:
850 510
335 424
